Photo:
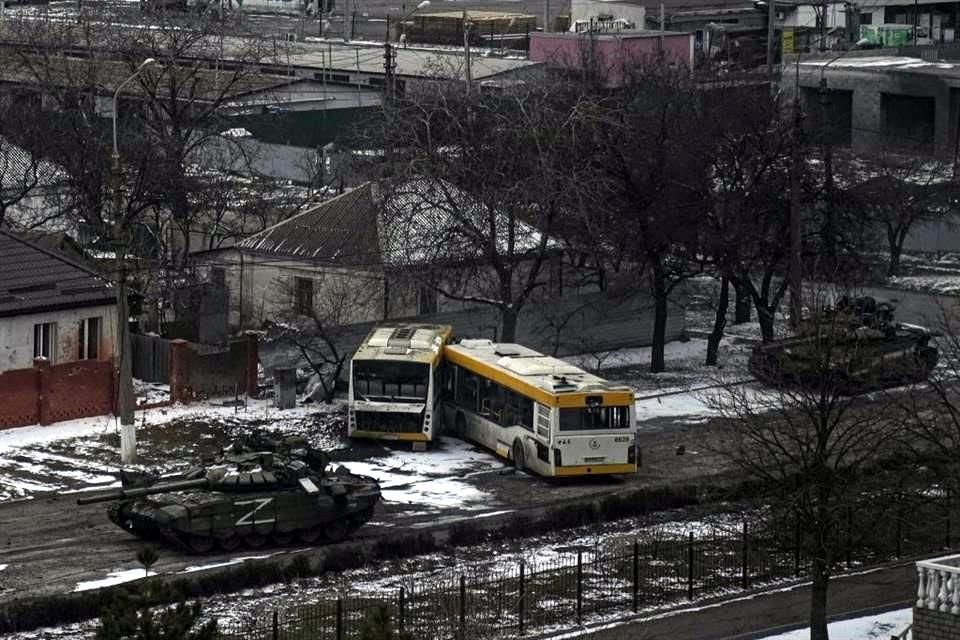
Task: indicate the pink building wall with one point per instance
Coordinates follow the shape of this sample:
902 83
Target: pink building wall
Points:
609 52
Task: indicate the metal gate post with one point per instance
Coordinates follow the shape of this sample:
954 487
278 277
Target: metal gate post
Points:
463 607
579 587
744 578
521 603
402 607
690 567
339 618
276 625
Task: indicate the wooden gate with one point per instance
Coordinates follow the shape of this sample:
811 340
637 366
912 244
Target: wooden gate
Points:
151 358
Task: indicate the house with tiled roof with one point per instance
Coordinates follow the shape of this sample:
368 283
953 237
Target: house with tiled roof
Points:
51 307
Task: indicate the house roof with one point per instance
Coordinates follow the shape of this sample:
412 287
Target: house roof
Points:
413 222
342 230
34 279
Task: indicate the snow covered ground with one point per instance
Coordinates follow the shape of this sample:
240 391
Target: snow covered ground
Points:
83 454
875 627
434 479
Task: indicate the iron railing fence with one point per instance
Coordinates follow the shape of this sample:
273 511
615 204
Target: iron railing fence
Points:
585 582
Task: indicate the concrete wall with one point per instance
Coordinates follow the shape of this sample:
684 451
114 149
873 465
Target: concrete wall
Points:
16 335
874 91
935 625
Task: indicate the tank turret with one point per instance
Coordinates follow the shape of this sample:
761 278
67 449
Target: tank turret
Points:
258 491
858 345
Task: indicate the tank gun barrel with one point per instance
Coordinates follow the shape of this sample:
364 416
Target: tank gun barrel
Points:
139 492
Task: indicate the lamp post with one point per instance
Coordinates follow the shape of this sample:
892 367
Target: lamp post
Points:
403 21
128 436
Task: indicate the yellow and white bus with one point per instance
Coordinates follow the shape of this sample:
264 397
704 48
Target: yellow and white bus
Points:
394 390
544 414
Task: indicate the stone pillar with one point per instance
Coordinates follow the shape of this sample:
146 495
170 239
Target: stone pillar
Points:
180 371
42 366
252 378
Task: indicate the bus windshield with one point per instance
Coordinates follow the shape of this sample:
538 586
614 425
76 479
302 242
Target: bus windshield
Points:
594 418
390 381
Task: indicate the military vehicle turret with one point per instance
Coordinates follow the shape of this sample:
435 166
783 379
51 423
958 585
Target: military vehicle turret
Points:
257 492
858 344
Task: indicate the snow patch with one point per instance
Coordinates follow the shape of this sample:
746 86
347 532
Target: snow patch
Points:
866 628
114 577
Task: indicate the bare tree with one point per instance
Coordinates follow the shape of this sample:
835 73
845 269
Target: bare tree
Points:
898 193
490 173
812 450
649 183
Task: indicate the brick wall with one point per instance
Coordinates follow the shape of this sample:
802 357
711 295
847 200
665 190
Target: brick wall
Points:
935 625
46 394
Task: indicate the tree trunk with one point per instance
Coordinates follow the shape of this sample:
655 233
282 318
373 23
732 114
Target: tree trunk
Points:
657 362
719 322
741 309
818 600
765 317
893 266
508 325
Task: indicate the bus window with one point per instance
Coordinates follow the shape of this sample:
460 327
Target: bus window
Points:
391 381
594 418
467 384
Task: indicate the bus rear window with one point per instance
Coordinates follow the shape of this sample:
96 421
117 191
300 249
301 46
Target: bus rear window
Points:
391 381
594 418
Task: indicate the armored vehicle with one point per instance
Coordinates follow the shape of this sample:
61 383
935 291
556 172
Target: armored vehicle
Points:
259 491
858 344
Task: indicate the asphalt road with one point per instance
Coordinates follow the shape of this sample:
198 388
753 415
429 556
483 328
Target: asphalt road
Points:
760 615
50 543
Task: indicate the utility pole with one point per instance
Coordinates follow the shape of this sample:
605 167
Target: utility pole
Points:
466 52
389 64
826 146
128 437
546 16
796 278
824 7
771 20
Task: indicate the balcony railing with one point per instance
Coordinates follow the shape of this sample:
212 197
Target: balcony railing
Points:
939 584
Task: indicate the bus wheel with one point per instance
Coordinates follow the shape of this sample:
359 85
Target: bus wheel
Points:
460 426
518 455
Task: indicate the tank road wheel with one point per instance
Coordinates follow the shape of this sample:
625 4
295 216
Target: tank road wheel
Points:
255 540
282 538
335 530
230 544
309 536
200 544
519 457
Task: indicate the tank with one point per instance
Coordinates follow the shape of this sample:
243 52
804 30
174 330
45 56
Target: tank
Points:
257 492
867 350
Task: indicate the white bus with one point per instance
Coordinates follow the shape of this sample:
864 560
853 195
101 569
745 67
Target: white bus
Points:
544 414
394 391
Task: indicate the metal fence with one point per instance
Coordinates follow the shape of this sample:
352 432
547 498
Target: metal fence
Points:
649 573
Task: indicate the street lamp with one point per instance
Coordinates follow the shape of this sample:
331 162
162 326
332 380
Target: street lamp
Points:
403 21
128 436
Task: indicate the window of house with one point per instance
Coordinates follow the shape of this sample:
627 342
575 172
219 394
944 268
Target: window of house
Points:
90 338
44 340
303 295
427 300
